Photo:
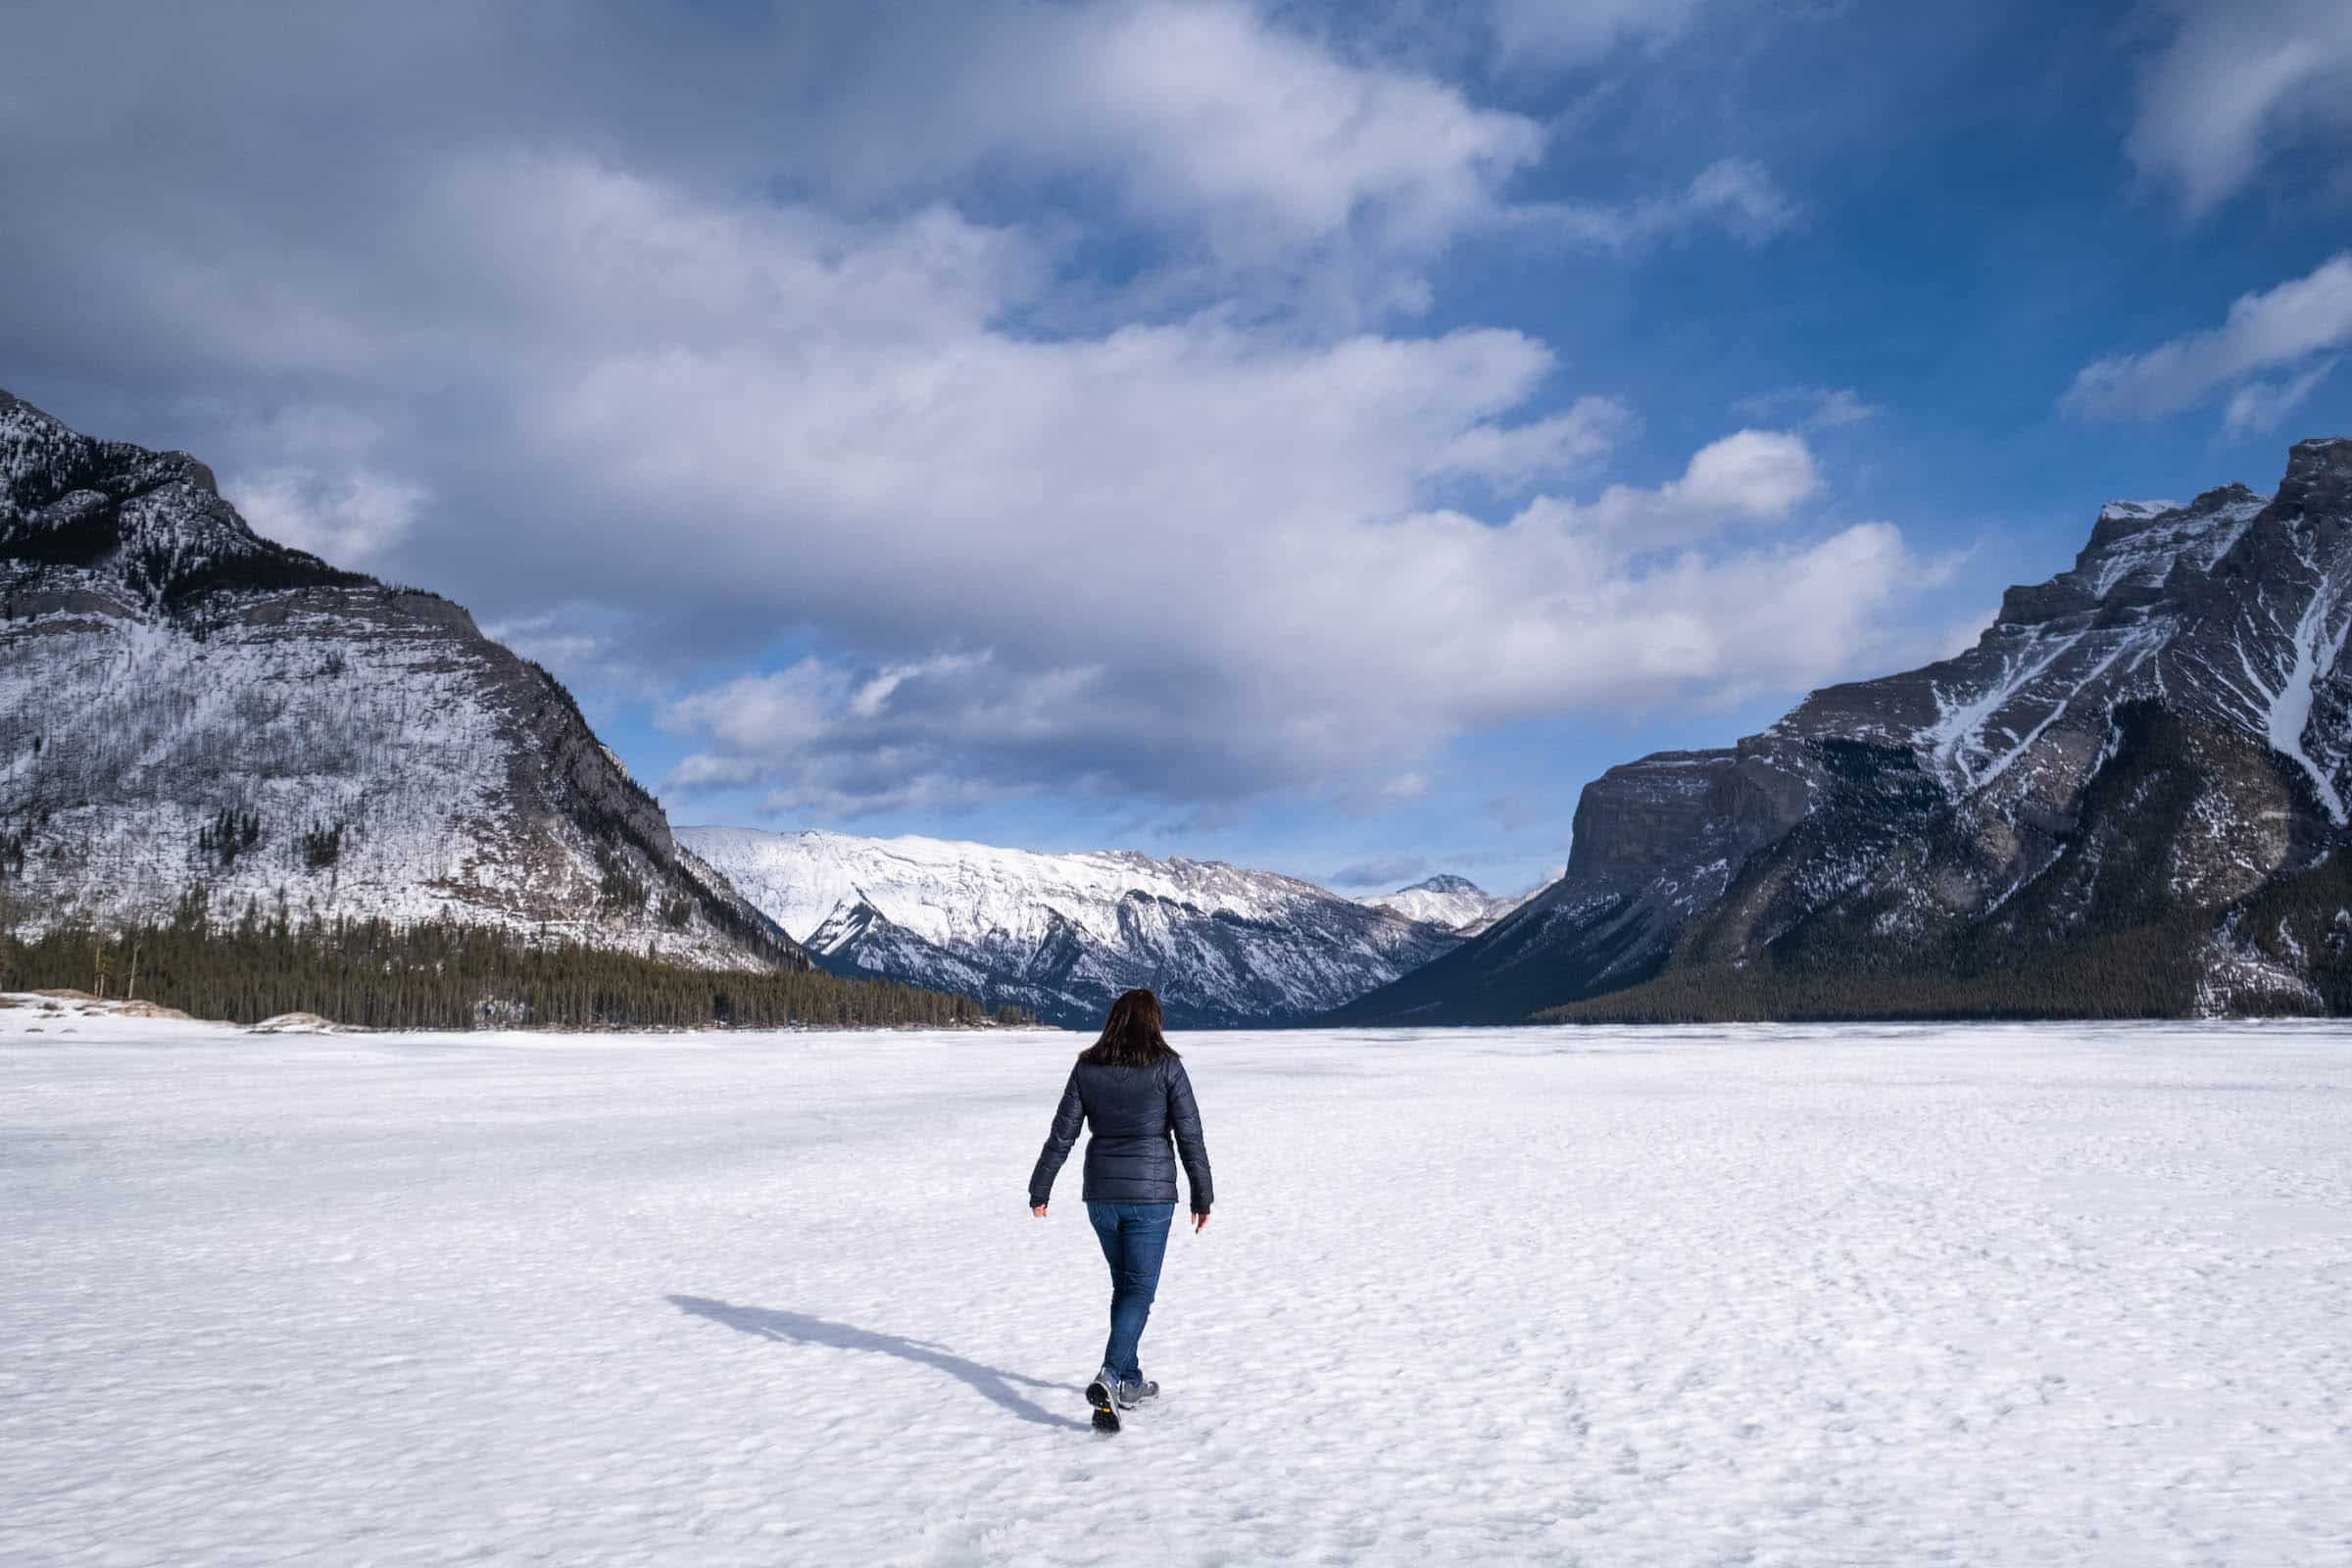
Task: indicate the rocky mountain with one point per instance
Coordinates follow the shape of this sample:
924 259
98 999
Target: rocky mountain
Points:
196 719
1455 903
1063 934
2127 799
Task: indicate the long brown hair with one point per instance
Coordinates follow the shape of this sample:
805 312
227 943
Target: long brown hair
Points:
1131 1037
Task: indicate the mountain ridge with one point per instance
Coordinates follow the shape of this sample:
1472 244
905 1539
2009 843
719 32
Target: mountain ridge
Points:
197 721
1916 831
1063 934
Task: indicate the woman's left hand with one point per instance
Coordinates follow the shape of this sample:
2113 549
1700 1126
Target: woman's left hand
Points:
1039 1211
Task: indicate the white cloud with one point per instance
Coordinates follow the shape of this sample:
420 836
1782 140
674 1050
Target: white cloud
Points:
2281 330
350 517
1753 476
1513 457
2263 406
1191 559
874 694
1190 554
1812 407
756 715
313 480
2239 80
1407 786
1210 107
1738 195
1255 149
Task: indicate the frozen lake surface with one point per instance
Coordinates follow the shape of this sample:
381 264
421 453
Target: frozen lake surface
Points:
1995 1295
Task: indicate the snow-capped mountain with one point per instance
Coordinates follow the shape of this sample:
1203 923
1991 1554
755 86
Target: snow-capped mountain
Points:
1063 934
2128 797
192 716
1455 903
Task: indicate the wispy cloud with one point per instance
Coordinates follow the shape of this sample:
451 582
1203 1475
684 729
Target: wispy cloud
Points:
1511 457
1810 407
2259 407
2237 81
1736 195
2281 330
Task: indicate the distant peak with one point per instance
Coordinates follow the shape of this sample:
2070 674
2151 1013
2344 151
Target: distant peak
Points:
1446 882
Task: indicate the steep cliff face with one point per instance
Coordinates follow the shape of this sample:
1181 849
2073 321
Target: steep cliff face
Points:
1958 836
1061 935
194 717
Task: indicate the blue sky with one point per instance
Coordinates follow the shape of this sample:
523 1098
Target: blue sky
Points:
1317 437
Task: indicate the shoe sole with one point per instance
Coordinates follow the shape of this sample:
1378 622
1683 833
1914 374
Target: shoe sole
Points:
1107 1413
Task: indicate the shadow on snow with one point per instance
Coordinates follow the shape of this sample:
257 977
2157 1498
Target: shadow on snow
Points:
799 1328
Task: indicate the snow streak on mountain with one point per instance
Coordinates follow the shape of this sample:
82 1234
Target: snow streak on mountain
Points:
2128 798
196 721
1455 903
1063 934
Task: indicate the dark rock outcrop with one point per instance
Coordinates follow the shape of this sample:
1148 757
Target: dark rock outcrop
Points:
2126 799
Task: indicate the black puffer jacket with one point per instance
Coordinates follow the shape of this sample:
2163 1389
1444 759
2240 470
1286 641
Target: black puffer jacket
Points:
1133 1111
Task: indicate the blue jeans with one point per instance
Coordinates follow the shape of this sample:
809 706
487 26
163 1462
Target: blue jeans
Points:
1134 1238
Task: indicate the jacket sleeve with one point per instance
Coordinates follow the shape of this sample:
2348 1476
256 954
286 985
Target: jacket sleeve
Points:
1068 1118
1183 1120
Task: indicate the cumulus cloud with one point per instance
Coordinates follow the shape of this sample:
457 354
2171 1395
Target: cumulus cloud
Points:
671 407
317 487
2237 81
1752 476
1208 108
2281 330
352 517
1285 616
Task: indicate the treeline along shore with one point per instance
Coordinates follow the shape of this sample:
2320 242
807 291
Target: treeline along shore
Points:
448 975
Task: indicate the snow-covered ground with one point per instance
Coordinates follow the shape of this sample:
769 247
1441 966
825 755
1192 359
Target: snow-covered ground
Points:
2003 1295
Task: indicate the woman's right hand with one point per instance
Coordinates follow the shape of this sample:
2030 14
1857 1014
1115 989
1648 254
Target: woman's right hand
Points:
1039 1211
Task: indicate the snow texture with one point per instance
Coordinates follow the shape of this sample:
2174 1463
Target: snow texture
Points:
1455 903
2006 1295
948 892
162 665
1060 934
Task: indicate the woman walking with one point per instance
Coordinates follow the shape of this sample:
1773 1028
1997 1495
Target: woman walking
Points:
1131 1088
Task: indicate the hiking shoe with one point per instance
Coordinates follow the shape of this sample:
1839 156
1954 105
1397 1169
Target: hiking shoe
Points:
1132 1394
1103 1394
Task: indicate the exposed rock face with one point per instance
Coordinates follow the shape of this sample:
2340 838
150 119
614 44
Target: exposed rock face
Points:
1062 935
194 717
1962 827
